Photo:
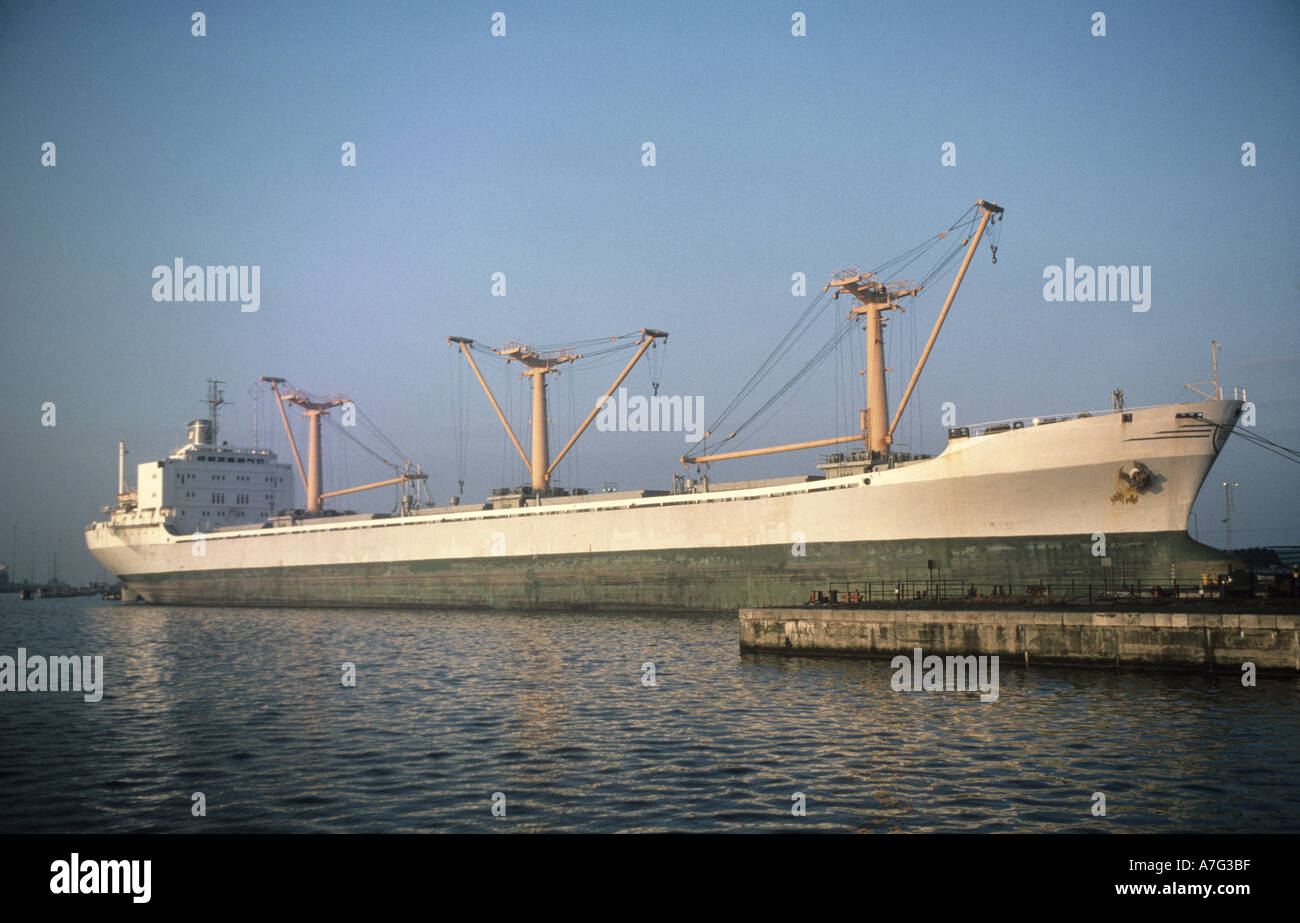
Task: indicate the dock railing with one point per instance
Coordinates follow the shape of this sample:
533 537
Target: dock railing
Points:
926 591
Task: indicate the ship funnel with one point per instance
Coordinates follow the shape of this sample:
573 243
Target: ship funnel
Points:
199 432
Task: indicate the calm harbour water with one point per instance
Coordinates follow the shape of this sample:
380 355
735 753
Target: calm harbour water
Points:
549 709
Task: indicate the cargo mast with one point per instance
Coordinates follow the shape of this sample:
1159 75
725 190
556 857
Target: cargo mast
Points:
538 366
312 479
874 298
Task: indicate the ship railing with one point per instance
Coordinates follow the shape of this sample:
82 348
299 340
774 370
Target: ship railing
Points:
1001 426
1238 392
899 452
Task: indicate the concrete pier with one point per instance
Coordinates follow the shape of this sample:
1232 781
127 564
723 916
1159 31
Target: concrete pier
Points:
1147 640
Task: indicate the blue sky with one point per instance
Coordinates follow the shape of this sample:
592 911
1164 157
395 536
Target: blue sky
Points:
521 154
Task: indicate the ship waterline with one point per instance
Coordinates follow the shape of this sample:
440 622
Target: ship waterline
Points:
1021 506
697 579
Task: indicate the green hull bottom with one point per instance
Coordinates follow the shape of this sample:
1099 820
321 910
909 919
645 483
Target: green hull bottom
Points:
708 579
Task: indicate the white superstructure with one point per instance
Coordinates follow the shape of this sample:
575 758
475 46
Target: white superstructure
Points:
204 486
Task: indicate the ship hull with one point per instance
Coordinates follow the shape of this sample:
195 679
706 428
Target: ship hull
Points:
1039 506
700 579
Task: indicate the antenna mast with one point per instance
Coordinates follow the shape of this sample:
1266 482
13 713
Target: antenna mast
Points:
253 393
216 397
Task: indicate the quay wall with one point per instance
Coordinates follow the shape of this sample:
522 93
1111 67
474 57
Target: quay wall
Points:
1148 640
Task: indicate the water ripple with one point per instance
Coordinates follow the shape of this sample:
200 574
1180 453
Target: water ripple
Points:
449 708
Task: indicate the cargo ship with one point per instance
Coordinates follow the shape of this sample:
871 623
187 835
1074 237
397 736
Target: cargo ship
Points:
1089 497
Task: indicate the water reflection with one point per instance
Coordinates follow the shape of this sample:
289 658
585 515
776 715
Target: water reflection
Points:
449 707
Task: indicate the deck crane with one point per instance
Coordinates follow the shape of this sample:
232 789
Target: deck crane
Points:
537 365
313 409
874 297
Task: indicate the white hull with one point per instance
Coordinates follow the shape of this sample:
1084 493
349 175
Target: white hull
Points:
1055 480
